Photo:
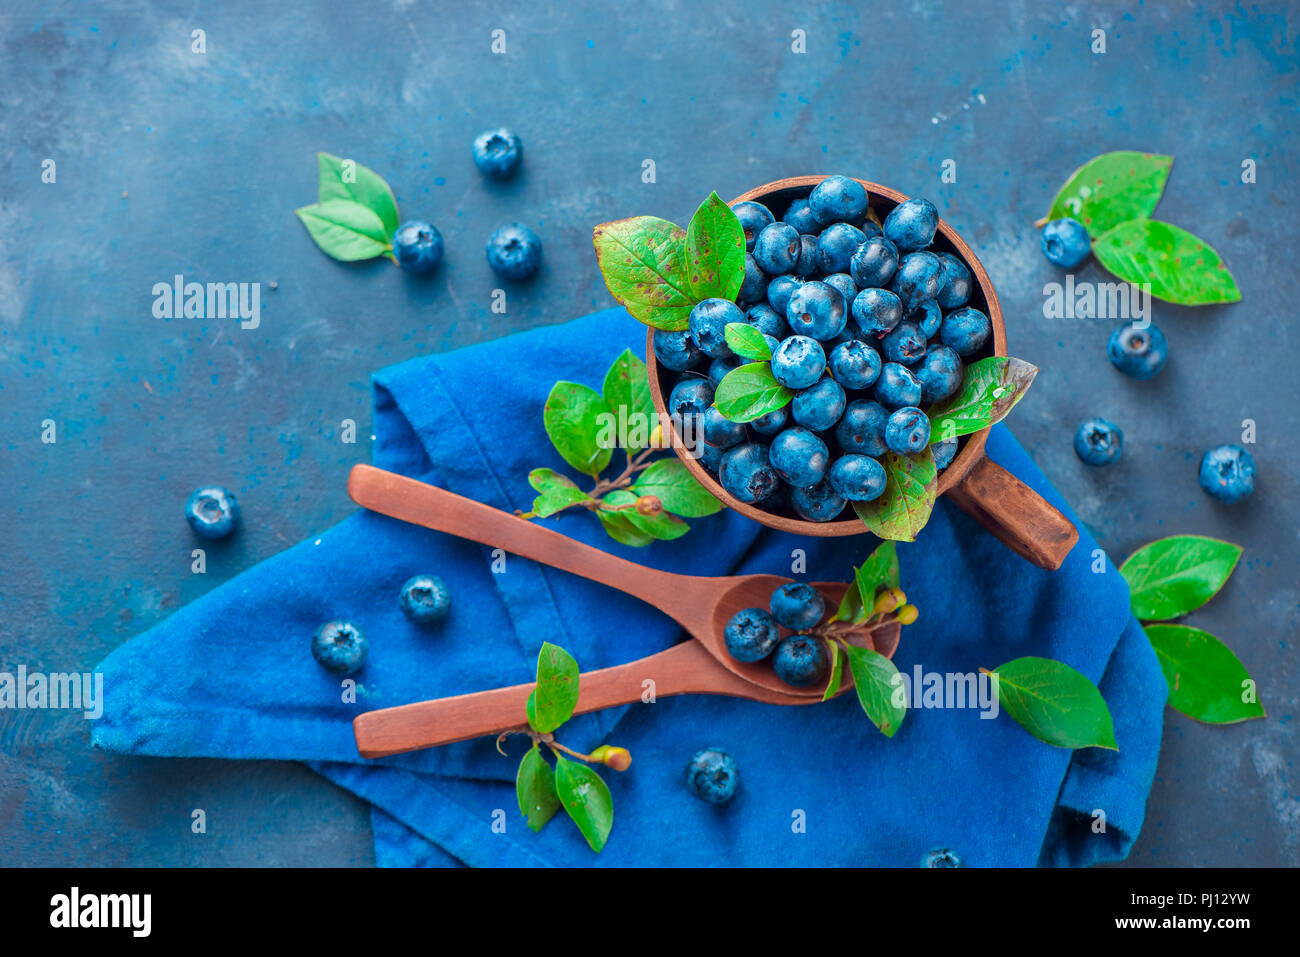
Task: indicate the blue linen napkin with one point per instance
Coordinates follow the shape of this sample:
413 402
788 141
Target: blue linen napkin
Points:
231 675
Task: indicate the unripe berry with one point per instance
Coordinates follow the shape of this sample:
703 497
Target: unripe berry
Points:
657 440
649 505
888 600
907 614
620 759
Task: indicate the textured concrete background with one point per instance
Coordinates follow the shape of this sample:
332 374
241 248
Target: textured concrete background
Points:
172 162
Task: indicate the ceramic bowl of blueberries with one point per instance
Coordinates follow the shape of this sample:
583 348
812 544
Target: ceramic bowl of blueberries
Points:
860 327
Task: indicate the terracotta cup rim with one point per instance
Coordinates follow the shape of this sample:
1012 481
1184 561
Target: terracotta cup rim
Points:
973 448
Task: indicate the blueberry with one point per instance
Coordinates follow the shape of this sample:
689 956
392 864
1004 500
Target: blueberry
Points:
943 453
747 474
799 457
779 291
751 634
708 322
773 422
855 364
817 503
965 331
838 199
800 660
753 217
858 478
940 858
212 511
1065 242
754 286
806 267
797 605
869 229
776 249
928 317
862 428
710 455
514 251
417 246
339 646
719 368
836 246
954 282
911 224
905 343
874 262
908 431
720 431
843 282
767 320
1227 473
940 374
690 398
425 599
799 215
777 500
676 350
877 311
1138 351
798 362
817 310
497 153
897 386
712 776
819 406
1098 442
917 279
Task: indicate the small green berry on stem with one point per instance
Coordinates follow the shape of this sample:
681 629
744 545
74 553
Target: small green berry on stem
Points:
888 600
620 759
907 614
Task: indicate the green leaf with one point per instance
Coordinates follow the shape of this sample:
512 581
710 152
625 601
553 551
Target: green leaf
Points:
990 388
837 671
880 570
904 507
715 251
1111 189
367 188
345 230
619 528
535 789
627 388
663 526
643 263
1206 681
675 487
1180 267
1055 703
1175 575
558 492
749 391
572 419
851 606
747 342
876 681
556 695
586 797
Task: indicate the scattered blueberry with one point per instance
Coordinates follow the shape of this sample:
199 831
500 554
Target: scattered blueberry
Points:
798 362
212 511
1065 242
862 428
911 224
874 262
858 478
747 474
908 431
799 457
1228 473
817 503
965 330
425 599
497 153
819 406
816 310
954 282
339 646
1138 351
753 217
940 857
712 776
1098 442
417 246
897 386
797 605
676 350
777 249
877 311
838 199
751 634
514 251
855 365
800 660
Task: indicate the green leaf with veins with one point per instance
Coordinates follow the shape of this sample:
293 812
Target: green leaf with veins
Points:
875 678
586 797
347 179
990 388
1172 576
837 670
662 526
1206 680
677 489
572 418
904 507
345 230
557 492
714 255
535 789
1055 703
627 387
552 702
1181 267
747 342
1111 189
642 261
750 391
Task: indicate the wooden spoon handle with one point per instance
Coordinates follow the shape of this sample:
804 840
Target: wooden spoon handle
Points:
682 669
1015 514
420 504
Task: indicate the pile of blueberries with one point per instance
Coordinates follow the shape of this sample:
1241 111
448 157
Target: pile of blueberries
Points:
868 326
753 634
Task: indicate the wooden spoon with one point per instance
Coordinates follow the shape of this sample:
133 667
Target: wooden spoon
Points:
702 606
